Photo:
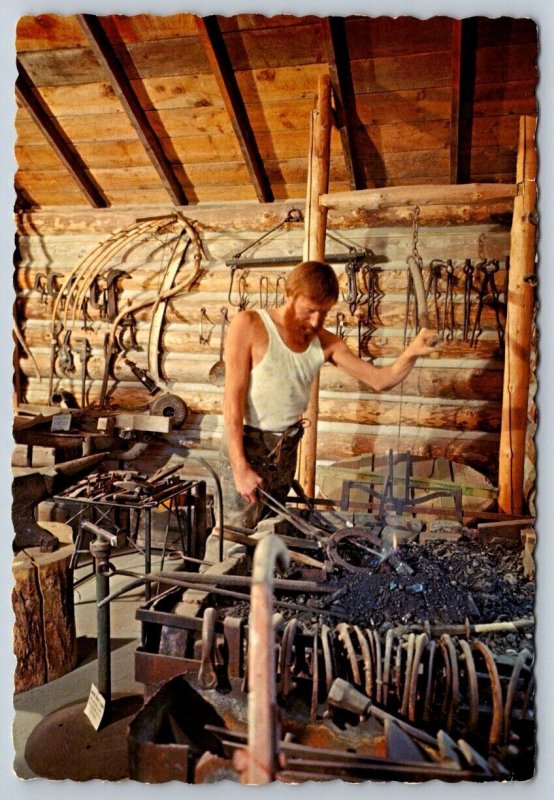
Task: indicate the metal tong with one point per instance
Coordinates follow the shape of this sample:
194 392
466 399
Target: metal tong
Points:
300 524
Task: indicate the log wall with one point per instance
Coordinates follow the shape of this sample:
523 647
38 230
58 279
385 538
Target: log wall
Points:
450 406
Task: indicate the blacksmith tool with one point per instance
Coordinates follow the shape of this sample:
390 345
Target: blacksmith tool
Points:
468 288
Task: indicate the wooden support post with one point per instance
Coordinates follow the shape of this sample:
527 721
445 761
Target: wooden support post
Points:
314 250
519 322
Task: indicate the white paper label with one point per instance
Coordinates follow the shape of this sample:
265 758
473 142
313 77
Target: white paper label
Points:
95 707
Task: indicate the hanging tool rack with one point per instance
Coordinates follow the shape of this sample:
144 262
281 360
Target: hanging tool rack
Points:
353 257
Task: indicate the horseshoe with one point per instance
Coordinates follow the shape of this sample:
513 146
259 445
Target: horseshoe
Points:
421 643
366 656
496 692
472 687
344 637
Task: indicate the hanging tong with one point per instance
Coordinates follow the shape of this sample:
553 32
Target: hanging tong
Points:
202 338
353 295
449 303
487 289
468 287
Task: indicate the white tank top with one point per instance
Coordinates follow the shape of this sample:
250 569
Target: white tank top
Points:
279 388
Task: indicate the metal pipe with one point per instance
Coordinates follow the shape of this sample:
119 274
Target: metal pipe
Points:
100 550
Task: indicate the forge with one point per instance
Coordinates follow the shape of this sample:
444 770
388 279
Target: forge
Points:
401 648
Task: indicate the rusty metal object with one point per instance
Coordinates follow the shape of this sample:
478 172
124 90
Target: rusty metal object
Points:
472 689
511 691
314 676
367 660
448 645
408 674
344 637
327 656
420 644
286 659
29 490
207 676
495 690
233 635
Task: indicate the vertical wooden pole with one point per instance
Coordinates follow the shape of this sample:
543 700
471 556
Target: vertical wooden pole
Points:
315 228
519 322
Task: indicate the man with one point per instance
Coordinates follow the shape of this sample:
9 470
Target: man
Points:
271 359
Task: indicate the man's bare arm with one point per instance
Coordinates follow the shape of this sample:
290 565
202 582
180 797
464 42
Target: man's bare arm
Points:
238 363
377 378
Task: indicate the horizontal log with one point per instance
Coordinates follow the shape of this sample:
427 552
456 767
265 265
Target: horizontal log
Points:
423 381
387 409
372 199
246 217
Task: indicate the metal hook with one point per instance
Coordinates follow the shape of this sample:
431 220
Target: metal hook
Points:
264 291
280 293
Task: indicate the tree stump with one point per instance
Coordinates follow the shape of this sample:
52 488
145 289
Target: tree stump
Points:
42 598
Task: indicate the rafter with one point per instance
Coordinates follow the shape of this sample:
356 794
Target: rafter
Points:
216 51
343 91
30 98
103 50
463 53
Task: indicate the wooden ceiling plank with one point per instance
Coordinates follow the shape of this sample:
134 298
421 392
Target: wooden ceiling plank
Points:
121 85
30 98
341 82
212 40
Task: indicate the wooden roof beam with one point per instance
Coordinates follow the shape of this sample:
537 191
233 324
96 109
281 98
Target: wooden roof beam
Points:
216 51
102 48
341 82
463 55
30 98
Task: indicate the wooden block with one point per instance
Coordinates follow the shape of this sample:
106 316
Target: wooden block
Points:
505 529
143 422
44 630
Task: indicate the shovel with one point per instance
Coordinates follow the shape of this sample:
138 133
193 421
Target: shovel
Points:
216 374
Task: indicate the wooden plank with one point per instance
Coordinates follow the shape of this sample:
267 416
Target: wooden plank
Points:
49 188
121 85
192 91
137 28
246 22
88 99
218 57
56 138
411 106
514 97
506 63
276 47
47 31
507 30
396 36
155 59
402 137
280 83
405 72
62 67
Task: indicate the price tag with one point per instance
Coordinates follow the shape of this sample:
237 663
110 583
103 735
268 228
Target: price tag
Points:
95 707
